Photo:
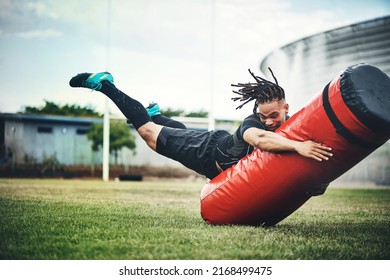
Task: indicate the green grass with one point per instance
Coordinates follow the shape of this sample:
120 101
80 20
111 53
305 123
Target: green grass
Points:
54 219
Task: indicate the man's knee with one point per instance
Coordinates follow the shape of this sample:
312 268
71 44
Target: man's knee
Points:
149 132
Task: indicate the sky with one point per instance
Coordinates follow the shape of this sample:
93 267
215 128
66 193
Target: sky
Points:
183 54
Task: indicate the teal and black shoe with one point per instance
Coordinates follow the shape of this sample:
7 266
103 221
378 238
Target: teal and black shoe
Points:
91 80
153 109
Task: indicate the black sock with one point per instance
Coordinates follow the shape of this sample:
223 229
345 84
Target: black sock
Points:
133 110
165 121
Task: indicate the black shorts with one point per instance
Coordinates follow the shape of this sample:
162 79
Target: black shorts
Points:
194 149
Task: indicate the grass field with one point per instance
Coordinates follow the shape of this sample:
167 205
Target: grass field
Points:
74 219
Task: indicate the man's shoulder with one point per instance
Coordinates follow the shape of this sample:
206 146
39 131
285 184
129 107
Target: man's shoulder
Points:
253 120
253 116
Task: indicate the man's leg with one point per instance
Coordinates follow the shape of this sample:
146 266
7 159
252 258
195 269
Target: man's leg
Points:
192 148
132 109
154 112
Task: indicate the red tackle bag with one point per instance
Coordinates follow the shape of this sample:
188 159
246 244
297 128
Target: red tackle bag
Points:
351 115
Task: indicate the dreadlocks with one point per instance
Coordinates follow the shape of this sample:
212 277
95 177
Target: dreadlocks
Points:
262 91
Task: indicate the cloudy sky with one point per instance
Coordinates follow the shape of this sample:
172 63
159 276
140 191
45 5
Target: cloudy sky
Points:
174 52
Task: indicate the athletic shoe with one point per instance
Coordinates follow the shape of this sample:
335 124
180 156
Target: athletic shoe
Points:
153 109
91 80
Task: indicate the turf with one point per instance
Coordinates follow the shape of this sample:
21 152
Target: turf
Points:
79 220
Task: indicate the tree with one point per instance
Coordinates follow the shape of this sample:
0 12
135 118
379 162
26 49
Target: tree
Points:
120 136
180 113
51 108
199 114
169 112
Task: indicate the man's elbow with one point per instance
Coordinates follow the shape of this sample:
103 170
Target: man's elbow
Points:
258 139
262 143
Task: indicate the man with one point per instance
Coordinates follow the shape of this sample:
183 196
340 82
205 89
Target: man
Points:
210 152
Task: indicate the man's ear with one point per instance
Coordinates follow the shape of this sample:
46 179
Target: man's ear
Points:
286 107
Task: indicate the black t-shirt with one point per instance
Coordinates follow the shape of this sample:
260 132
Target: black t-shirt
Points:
207 152
231 148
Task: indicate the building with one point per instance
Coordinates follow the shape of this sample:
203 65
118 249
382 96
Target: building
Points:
34 139
62 140
305 66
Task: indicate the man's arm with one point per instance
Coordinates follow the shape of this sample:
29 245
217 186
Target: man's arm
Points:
273 142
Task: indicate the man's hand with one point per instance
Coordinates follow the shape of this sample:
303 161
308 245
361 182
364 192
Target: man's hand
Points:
313 150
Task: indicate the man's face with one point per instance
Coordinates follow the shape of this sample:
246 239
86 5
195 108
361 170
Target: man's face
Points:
273 114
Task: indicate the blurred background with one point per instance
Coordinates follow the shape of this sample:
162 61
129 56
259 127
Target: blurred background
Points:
182 54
